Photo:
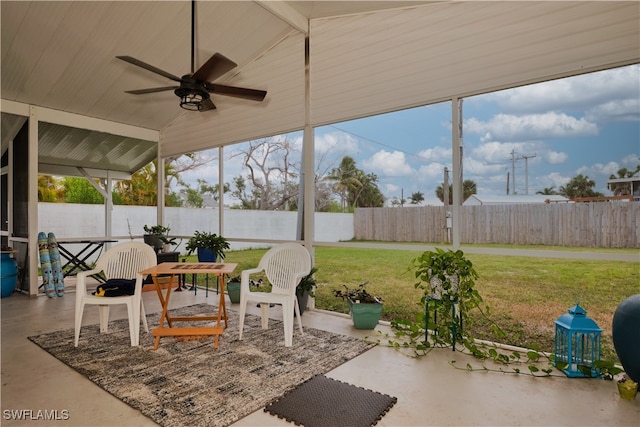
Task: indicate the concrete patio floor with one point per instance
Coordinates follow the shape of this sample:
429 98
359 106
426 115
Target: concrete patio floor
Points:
430 391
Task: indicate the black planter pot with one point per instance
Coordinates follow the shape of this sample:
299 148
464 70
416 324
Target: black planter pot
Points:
154 241
624 331
302 302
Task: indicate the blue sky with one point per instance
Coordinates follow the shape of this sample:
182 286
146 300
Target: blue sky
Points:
588 125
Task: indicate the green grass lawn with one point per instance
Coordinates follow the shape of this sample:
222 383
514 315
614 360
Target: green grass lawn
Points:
525 294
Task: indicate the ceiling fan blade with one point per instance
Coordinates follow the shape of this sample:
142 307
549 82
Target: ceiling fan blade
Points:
151 90
216 66
207 105
148 67
237 92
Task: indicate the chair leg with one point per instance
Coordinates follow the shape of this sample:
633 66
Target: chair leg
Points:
104 318
264 308
243 310
144 316
287 320
297 308
134 323
78 322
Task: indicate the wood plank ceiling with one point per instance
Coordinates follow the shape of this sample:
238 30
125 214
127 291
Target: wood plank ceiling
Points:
364 58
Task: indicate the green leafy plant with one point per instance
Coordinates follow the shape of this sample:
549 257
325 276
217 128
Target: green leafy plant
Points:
608 369
447 280
359 294
157 230
213 242
307 283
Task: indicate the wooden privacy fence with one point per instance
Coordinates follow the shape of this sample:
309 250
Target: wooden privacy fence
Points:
596 224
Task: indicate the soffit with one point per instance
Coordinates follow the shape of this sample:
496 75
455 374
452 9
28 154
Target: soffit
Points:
366 57
373 63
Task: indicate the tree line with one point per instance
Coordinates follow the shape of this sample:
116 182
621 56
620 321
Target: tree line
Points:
271 182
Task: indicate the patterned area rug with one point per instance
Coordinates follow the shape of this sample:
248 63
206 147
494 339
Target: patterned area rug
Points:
189 383
335 403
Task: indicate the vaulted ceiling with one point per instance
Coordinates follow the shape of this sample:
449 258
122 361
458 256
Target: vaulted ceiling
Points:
364 57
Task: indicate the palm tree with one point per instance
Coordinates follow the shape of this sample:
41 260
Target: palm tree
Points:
468 188
580 186
346 178
548 191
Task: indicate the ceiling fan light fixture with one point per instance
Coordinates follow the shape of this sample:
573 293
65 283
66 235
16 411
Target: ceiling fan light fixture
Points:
191 101
191 96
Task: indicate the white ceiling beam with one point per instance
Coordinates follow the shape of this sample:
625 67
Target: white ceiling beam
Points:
60 170
12 107
82 122
287 14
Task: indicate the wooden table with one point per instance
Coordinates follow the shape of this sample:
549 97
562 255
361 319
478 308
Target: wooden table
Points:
173 268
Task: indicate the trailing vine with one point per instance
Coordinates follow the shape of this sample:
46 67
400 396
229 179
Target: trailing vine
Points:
447 280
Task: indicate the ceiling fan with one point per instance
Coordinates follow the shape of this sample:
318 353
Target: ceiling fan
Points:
195 88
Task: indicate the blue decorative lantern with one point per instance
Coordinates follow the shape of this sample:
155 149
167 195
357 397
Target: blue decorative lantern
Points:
577 343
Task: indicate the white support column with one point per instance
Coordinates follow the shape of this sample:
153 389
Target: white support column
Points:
105 191
456 147
160 177
108 209
308 145
32 198
221 191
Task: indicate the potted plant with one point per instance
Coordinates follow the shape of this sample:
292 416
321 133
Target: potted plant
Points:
233 289
154 234
365 308
209 246
305 289
448 280
627 388
167 242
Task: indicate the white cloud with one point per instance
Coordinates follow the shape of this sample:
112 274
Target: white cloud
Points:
436 154
626 110
579 93
340 142
391 189
533 126
388 164
596 169
631 161
555 157
430 172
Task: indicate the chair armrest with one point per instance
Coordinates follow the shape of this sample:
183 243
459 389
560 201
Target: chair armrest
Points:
86 273
81 284
244 277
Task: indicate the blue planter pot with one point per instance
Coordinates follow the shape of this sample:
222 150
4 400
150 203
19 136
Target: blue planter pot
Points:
206 255
8 275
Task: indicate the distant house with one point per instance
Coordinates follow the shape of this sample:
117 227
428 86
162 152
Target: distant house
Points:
476 199
634 182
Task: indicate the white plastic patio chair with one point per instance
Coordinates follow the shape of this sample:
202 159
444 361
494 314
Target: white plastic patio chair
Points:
284 265
123 261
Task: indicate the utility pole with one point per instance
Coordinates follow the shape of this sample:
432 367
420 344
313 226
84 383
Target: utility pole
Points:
507 183
513 171
445 199
526 173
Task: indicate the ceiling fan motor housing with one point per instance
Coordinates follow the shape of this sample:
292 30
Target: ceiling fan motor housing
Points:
191 86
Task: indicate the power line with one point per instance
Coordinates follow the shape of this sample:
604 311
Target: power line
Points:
386 145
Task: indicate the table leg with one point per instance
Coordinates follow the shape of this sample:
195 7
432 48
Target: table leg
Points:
164 300
222 307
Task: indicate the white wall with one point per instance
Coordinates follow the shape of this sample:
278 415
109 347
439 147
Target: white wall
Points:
72 221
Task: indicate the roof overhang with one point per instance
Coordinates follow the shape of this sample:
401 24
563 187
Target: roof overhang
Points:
364 58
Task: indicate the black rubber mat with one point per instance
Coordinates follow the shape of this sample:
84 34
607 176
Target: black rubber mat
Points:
325 402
